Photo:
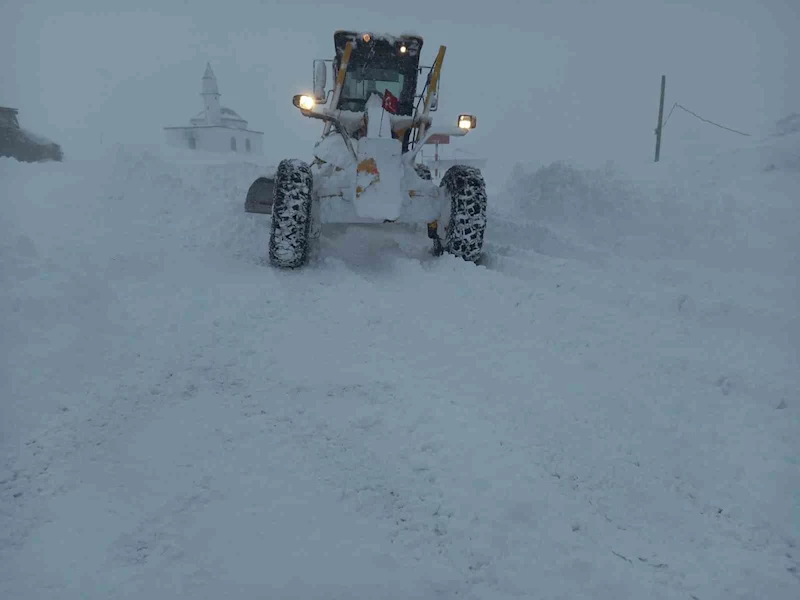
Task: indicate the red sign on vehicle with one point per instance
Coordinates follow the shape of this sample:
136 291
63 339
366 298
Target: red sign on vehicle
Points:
438 138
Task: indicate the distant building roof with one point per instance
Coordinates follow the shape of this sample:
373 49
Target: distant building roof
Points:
227 113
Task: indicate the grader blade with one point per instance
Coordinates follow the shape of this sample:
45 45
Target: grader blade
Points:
260 196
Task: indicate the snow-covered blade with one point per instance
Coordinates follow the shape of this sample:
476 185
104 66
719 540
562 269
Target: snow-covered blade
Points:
260 196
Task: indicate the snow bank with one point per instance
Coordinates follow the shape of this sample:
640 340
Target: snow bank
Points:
597 205
713 211
200 201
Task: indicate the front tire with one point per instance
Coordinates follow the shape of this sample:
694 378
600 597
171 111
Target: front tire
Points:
291 215
467 191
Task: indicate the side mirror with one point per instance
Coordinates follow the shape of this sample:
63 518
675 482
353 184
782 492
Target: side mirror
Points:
320 80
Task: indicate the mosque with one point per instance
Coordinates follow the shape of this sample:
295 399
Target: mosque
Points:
216 128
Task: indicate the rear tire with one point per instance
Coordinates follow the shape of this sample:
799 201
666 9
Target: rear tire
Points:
291 215
467 191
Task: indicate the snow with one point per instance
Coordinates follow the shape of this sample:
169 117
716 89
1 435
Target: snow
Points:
385 194
352 121
607 407
332 150
788 124
380 192
378 120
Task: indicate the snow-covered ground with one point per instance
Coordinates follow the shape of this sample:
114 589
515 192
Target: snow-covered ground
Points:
606 408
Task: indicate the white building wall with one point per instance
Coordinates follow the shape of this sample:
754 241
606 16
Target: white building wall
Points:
178 136
258 144
216 139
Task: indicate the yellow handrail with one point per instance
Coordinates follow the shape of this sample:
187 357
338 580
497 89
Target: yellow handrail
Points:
433 85
337 91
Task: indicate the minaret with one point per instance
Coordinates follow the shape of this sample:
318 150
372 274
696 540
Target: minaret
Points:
210 94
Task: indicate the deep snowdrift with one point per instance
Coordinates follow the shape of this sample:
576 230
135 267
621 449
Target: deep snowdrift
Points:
714 212
607 408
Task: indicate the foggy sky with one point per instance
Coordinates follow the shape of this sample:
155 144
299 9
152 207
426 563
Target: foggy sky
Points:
548 80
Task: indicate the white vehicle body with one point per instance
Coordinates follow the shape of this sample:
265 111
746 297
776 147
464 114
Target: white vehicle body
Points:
374 183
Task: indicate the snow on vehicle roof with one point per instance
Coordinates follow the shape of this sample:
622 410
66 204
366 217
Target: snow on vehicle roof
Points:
388 37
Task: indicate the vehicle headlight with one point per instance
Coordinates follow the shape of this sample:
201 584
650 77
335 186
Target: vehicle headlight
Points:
304 102
467 122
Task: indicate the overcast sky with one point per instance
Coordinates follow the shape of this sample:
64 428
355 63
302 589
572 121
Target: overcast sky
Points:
548 80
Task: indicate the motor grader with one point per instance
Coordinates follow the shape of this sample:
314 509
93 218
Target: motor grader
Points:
364 168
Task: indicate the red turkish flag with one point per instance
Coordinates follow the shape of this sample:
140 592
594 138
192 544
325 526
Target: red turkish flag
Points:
390 102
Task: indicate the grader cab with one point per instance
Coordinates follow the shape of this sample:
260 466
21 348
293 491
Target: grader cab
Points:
364 168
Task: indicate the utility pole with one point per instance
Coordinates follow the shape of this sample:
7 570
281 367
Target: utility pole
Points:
660 117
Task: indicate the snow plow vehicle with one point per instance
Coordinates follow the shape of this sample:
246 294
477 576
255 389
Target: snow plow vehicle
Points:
364 168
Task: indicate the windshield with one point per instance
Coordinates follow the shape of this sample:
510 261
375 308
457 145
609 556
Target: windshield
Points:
376 65
361 82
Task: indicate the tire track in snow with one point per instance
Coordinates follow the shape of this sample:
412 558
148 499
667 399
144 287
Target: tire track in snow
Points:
432 530
397 270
